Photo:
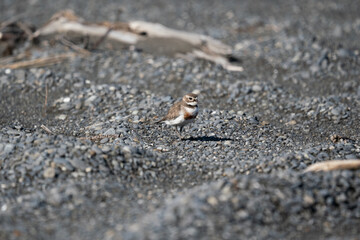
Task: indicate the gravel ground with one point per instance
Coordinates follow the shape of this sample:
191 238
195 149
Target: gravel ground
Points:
107 172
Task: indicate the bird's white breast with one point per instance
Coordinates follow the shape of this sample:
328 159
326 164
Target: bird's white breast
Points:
180 120
176 121
192 111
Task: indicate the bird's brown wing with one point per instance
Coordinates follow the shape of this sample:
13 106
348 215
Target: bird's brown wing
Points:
173 111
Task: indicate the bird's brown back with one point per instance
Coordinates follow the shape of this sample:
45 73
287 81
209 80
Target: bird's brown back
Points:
173 111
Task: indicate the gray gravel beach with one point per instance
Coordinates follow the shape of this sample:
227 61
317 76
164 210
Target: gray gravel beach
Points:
239 171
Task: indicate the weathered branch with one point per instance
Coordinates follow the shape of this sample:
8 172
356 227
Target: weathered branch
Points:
151 37
334 165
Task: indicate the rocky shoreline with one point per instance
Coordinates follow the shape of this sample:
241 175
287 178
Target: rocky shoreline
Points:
80 158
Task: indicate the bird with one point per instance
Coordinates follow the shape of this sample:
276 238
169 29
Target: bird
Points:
182 113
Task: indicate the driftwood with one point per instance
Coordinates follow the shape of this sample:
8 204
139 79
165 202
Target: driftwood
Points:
150 37
334 165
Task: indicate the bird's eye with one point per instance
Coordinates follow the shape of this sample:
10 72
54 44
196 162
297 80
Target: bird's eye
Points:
190 98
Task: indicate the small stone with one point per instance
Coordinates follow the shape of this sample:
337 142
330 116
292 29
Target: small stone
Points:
229 172
65 107
308 200
256 88
54 196
90 100
291 123
351 156
20 75
61 117
212 201
78 164
8 148
49 172
106 149
323 156
337 32
336 111
253 120
110 131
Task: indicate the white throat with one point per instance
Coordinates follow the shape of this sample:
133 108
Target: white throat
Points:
192 103
192 111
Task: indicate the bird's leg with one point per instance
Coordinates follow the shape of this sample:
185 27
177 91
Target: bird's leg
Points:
178 133
181 128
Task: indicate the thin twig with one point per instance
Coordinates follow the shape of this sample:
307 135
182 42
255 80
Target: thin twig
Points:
46 95
46 99
97 44
41 62
74 47
26 29
46 129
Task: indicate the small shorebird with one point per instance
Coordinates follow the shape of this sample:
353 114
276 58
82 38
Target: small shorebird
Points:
182 113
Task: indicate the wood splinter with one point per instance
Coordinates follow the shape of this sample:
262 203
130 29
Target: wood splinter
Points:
46 129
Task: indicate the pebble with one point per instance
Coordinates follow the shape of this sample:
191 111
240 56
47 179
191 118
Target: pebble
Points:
90 100
61 117
110 131
49 172
336 111
8 148
256 88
